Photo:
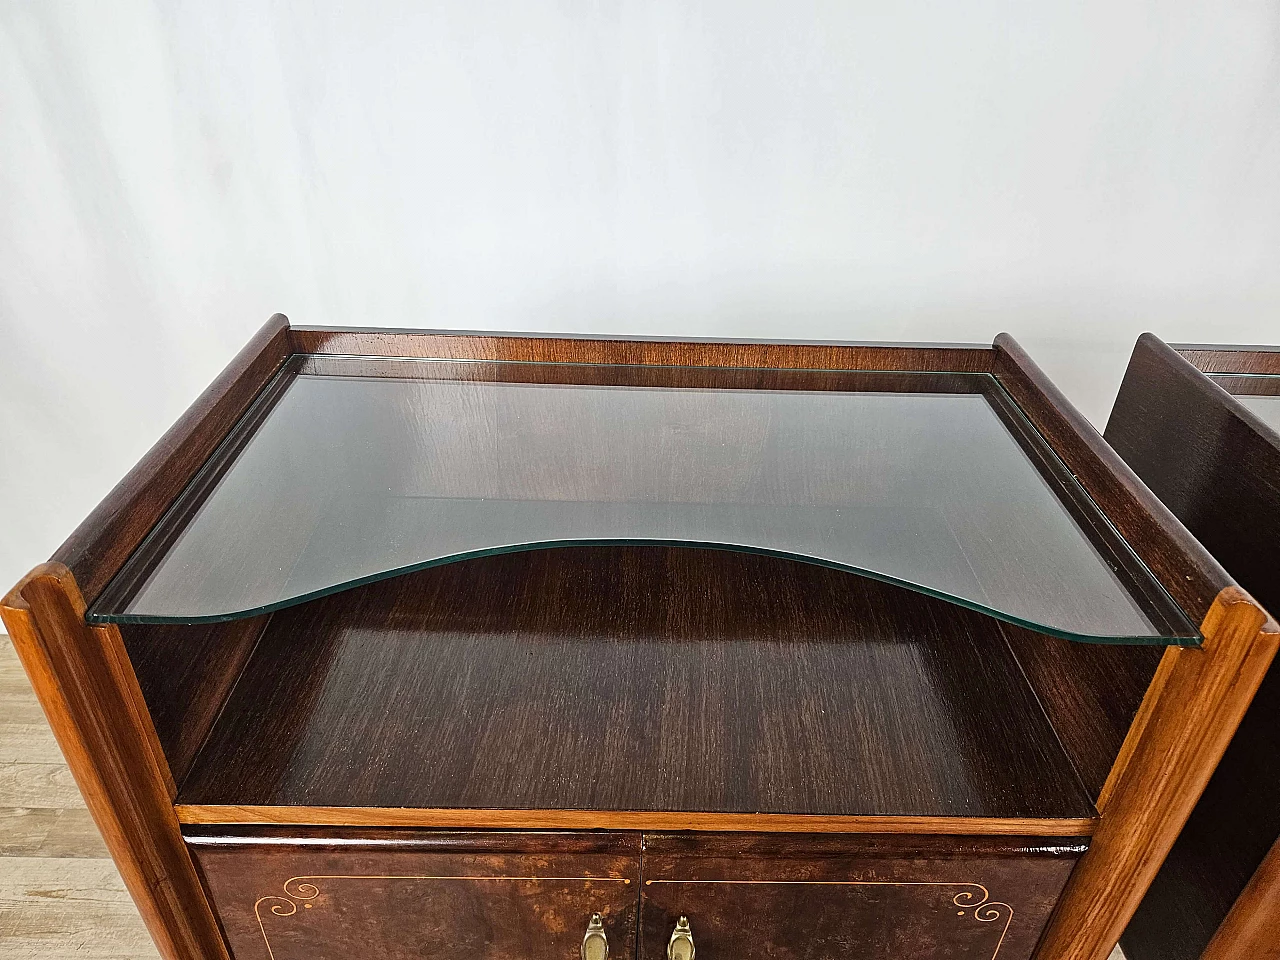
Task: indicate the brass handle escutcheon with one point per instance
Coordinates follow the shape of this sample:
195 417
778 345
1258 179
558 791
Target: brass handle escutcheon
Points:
680 946
595 945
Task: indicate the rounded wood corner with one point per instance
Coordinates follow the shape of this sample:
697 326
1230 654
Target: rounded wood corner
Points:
17 598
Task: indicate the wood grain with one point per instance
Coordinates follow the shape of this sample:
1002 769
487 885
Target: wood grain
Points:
1090 692
81 677
45 831
38 784
97 548
878 898
553 348
1219 358
1251 930
1194 704
458 819
185 673
1210 461
58 909
637 679
398 898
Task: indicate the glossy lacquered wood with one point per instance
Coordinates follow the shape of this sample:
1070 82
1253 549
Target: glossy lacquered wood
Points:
879 898
91 699
490 818
1218 469
637 679
405 896
1186 720
1194 703
1252 927
185 674
1090 693
555 348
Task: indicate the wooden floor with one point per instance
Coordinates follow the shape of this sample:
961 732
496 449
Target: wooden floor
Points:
60 895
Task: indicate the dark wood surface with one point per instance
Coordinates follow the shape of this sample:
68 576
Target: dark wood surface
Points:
878 898
1221 358
1091 692
481 345
1199 452
185 674
637 679
405 896
98 547
89 694
1187 571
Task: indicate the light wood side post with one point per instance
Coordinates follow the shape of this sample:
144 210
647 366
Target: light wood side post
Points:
1251 930
1192 708
86 686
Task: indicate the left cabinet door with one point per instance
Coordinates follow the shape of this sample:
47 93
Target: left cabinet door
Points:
341 894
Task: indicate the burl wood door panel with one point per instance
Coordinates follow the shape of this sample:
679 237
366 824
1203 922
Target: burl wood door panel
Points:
869 898
396 895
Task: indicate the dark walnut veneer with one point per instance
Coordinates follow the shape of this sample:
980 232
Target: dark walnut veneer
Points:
642 678
473 759
1217 466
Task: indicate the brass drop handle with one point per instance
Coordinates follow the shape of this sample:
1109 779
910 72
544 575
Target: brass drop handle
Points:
680 946
595 945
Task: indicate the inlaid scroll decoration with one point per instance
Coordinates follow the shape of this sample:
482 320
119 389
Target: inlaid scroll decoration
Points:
301 891
974 901
985 910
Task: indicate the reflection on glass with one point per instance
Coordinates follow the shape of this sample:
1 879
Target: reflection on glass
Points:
352 470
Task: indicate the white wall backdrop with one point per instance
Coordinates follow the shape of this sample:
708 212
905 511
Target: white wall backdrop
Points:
171 173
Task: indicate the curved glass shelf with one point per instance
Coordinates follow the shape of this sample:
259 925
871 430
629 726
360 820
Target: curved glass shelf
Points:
350 470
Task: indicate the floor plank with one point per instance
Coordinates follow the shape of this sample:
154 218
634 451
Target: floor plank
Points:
35 832
60 895
55 908
38 785
22 742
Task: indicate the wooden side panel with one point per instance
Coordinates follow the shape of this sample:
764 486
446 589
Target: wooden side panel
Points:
185 674
1091 692
874 898
97 548
86 687
1186 720
550 348
407 895
1201 453
1252 928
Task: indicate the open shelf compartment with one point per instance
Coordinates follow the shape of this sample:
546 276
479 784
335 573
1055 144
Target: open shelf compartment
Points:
636 679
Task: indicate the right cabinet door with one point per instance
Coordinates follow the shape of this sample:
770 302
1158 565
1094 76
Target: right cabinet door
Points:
737 897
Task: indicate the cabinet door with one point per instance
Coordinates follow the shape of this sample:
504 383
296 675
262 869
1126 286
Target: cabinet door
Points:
396 895
869 898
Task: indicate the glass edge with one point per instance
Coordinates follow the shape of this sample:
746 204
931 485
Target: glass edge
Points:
95 616
1116 538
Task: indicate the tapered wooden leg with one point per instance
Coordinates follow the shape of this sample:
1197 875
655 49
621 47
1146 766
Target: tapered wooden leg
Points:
1251 930
86 686
1192 708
